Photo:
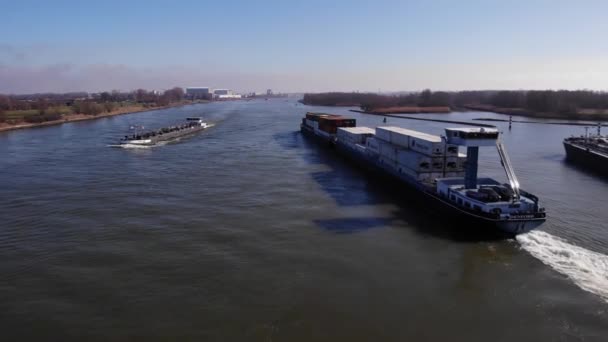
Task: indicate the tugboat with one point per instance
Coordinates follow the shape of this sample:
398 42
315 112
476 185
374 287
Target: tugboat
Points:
192 126
435 170
589 150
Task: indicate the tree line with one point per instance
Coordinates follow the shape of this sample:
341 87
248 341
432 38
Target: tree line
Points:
553 101
50 106
369 101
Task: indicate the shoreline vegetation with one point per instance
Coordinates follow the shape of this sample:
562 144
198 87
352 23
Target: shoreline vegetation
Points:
127 109
548 104
581 114
38 110
409 110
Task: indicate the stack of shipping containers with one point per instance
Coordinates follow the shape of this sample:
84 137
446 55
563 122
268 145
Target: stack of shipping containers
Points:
327 124
355 137
421 156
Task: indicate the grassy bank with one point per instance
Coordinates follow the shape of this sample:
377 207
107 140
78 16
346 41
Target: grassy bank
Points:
18 119
581 114
552 104
409 110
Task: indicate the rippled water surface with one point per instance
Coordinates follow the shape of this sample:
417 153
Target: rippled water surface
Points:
250 232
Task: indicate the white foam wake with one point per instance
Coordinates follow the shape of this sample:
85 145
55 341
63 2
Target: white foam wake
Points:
138 146
588 269
131 146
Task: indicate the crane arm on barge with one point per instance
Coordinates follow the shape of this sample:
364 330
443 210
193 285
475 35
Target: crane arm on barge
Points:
508 167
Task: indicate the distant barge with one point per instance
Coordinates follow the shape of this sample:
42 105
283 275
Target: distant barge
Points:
590 151
192 126
433 166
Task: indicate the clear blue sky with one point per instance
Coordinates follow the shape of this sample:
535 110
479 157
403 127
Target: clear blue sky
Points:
303 45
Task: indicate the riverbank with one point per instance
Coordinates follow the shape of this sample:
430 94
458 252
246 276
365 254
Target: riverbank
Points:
409 110
398 116
338 104
583 114
83 117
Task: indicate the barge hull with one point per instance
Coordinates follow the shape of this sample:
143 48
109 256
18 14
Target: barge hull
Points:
586 157
508 228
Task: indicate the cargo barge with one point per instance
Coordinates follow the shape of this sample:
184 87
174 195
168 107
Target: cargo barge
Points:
590 151
434 167
192 126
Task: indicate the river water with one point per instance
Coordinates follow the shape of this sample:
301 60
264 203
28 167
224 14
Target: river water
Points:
249 232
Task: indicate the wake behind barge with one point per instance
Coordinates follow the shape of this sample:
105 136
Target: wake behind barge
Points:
192 125
433 166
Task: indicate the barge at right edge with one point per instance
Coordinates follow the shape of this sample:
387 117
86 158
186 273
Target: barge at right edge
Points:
432 166
590 151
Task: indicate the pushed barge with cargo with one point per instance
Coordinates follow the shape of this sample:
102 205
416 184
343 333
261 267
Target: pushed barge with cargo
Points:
192 125
433 166
589 150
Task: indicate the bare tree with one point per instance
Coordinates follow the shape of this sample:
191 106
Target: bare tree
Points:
140 95
5 102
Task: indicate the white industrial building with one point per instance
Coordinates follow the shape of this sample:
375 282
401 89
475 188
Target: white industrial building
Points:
218 92
228 96
208 93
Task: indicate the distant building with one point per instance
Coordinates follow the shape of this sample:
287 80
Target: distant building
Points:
269 92
228 96
198 92
219 92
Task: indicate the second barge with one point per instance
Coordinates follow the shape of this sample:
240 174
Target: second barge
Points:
192 126
590 150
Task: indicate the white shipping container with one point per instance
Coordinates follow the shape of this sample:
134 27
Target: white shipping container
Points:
437 164
388 150
395 135
372 145
414 160
349 141
355 135
400 140
451 150
455 163
419 176
412 134
420 162
383 133
430 147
